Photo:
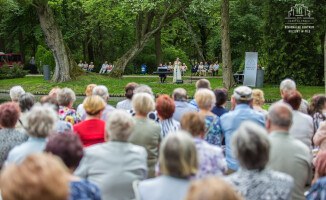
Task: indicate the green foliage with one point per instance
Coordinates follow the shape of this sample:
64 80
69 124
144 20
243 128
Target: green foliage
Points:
46 57
13 72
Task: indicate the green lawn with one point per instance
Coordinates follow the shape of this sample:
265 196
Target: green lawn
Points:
37 85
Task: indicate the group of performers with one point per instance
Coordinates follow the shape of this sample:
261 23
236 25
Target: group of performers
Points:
177 68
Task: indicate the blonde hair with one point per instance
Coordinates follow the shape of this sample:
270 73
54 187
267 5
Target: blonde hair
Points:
257 96
178 155
93 104
205 98
89 89
39 176
119 125
194 123
54 92
211 189
143 103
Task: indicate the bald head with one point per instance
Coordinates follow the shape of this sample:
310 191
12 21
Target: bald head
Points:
179 94
279 117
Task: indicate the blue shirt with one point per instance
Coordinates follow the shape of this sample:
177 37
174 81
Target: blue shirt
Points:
31 146
231 121
84 190
318 190
194 103
182 107
219 111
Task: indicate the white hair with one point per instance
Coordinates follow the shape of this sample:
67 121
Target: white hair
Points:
288 84
143 103
101 91
15 92
65 96
41 120
144 89
119 125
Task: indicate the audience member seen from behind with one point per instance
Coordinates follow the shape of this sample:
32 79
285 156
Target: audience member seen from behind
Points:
178 162
302 126
211 189
15 93
179 96
258 101
69 148
287 154
221 96
26 102
165 108
9 136
211 158
316 110
39 176
91 131
147 132
61 126
54 92
66 98
231 121
129 92
250 146
287 86
205 99
41 123
200 84
116 164
318 189
80 108
103 92
320 136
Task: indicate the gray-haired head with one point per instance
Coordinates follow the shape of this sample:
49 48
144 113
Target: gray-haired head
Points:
280 115
66 96
179 94
26 101
119 125
102 91
41 120
250 146
144 89
287 85
15 92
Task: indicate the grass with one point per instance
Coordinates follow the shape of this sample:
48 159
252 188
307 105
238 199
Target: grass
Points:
37 85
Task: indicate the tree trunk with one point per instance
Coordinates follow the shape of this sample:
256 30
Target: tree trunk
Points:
84 50
100 42
158 48
53 36
21 44
2 41
200 53
90 50
325 60
228 80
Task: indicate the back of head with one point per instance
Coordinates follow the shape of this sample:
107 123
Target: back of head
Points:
280 115
205 98
287 85
66 146
15 92
317 105
143 103
41 120
93 105
194 123
242 95
178 155
257 96
165 106
294 99
250 146
39 176
144 89
66 96
221 95
26 101
101 91
179 94
211 189
89 89
129 89
119 125
203 83
9 114
54 92
50 100
321 164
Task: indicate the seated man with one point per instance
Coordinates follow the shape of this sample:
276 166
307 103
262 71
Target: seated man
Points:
162 76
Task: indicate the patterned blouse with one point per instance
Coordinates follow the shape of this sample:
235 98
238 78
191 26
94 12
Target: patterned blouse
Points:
318 190
211 159
213 130
168 126
69 115
84 190
266 184
317 117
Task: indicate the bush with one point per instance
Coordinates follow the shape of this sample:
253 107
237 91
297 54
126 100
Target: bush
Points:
46 56
14 72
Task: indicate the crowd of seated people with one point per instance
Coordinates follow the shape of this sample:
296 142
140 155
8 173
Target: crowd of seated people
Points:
204 68
164 147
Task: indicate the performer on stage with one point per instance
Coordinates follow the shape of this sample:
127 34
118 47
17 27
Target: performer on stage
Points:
176 71
162 68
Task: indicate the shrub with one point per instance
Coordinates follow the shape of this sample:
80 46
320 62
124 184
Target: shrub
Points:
46 56
14 72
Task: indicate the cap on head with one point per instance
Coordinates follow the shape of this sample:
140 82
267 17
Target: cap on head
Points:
242 93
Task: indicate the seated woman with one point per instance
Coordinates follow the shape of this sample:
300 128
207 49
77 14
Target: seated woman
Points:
318 189
91 131
211 158
80 108
69 148
205 100
221 96
90 67
85 66
170 66
109 69
26 102
258 101
205 69
201 69
66 98
80 64
178 162
165 108
316 110
183 69
39 176
9 136
194 69
250 146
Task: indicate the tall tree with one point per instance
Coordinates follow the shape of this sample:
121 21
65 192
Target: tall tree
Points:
228 80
